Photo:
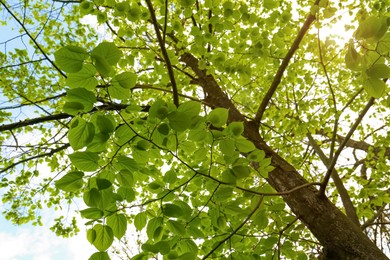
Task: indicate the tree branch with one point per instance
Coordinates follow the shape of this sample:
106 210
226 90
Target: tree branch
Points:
164 53
345 198
342 145
32 39
53 151
279 74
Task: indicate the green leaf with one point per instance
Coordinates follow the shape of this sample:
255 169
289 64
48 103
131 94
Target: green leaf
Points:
381 71
176 227
92 213
91 235
104 237
260 219
103 184
241 171
140 220
118 224
123 134
126 193
352 58
108 51
81 133
236 128
92 197
73 108
172 210
126 80
374 87
105 55
83 96
188 246
218 116
70 58
118 92
71 182
125 162
384 45
105 124
85 78
179 121
244 145
190 108
85 161
99 256
125 178
163 247
153 225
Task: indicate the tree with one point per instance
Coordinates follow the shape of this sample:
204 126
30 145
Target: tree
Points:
218 128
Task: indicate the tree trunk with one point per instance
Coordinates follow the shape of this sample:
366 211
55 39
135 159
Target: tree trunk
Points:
340 237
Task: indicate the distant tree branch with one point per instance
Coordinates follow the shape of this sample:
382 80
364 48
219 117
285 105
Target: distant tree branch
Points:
342 145
33 121
22 63
32 39
279 74
52 152
33 102
164 53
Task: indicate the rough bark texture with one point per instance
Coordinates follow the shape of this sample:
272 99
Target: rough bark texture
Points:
340 237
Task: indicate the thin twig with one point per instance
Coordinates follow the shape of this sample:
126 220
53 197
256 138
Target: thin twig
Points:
234 231
32 39
342 145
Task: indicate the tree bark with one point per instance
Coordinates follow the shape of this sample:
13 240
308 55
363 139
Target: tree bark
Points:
339 236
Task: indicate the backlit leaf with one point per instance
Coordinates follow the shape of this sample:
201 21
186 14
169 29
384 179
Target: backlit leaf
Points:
72 181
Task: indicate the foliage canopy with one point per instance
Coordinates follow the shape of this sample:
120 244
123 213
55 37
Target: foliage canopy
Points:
217 129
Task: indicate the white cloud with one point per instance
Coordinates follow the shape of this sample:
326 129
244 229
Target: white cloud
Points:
39 243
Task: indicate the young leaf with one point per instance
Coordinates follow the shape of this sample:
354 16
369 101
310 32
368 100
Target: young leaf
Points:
218 117
83 96
140 220
91 213
126 79
71 182
375 87
104 237
92 197
125 178
172 210
179 121
152 226
118 224
81 133
70 58
381 71
85 161
352 58
236 128
176 227
85 78
91 235
107 52
244 145
99 256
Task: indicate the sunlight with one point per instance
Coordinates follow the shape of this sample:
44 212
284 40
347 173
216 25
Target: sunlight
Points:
338 31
